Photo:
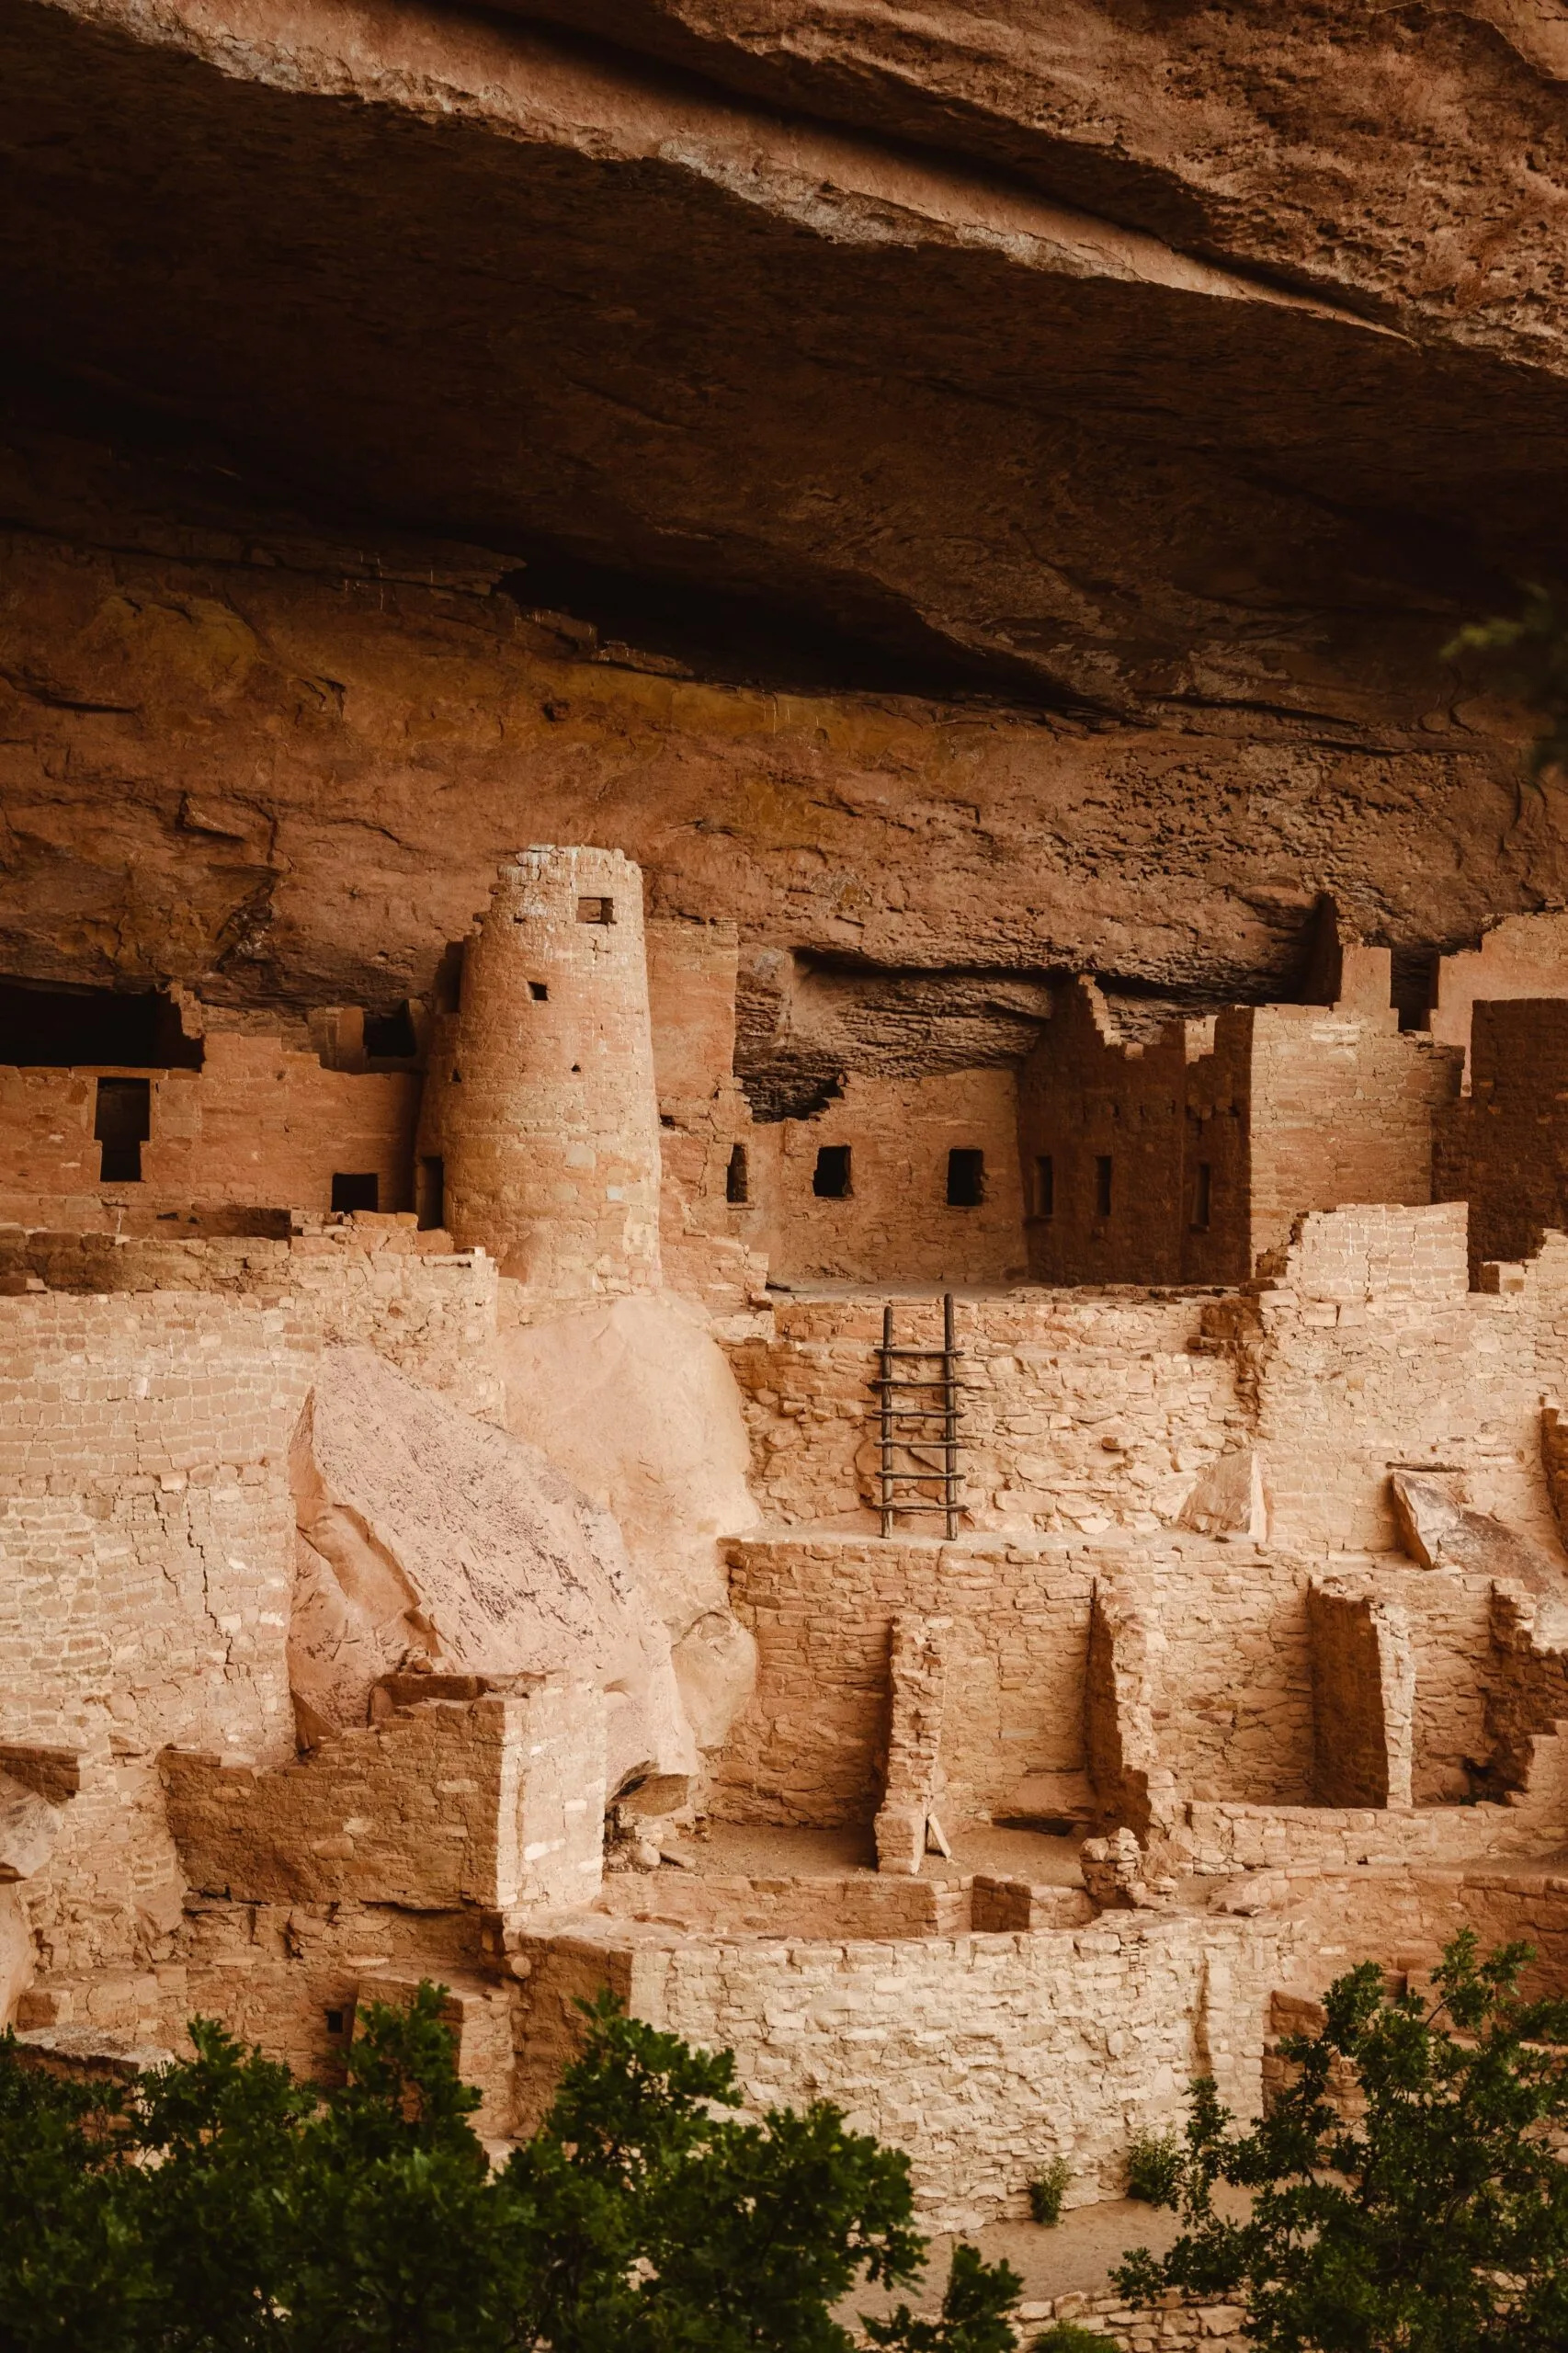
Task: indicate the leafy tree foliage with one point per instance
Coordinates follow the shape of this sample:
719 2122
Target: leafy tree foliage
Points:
1427 2212
1528 651
219 2206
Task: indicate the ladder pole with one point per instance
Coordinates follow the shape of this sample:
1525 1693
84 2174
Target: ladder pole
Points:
949 1418
887 1402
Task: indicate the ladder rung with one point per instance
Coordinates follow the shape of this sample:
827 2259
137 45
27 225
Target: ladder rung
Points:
917 1352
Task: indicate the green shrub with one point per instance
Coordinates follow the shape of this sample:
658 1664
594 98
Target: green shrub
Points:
1047 2190
1067 2337
1153 2168
1432 2219
218 2206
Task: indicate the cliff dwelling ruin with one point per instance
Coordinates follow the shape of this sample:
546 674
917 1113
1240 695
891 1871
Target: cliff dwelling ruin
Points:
783 1079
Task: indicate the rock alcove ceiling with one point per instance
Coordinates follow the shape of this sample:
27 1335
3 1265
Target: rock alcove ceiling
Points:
968 495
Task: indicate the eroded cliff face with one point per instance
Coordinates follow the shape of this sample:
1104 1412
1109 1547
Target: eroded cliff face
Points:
969 497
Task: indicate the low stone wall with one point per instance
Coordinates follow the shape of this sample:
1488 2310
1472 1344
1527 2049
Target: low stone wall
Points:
1169 2323
1219 1839
851 1903
491 1801
980 2055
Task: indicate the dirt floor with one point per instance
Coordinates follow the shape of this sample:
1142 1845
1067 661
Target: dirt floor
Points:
759 1850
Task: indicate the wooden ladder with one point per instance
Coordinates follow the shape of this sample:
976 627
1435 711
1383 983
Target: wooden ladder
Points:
928 1456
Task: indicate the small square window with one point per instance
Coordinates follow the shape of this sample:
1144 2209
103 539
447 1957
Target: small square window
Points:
388 1037
356 1192
830 1178
966 1179
334 2021
596 910
538 992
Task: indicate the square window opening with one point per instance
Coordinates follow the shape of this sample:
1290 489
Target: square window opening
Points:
540 992
388 1037
1045 1186
596 910
736 1181
830 1178
1102 1184
356 1192
966 1179
334 2021
122 1122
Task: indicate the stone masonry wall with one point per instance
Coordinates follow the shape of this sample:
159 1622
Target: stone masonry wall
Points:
983 2055
147 1401
1366 1352
539 1098
146 1560
1082 1411
373 1281
1343 1105
1112 1136
808 1745
896 1226
1504 1148
1230 1670
712 1204
434 1808
1363 1697
260 1124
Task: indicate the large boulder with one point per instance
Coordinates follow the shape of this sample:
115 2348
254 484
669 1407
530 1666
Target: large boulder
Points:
636 1402
1440 1531
425 1538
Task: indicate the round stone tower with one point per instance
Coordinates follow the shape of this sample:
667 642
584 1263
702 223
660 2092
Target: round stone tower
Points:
541 1135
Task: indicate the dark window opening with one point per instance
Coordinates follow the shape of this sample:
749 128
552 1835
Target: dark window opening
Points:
388 1037
357 1192
1045 1186
430 1192
538 992
735 1177
59 1028
596 910
1202 1197
334 2021
122 1122
830 1178
1102 1184
966 1179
